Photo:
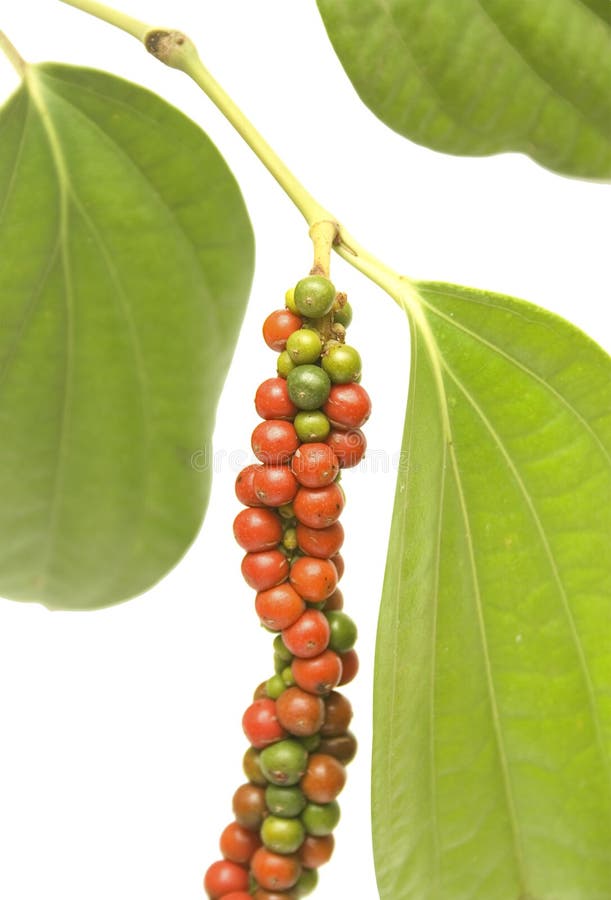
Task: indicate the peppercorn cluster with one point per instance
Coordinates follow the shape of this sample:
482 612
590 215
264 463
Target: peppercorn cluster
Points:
297 725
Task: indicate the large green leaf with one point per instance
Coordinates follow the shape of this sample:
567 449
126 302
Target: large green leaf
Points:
484 76
126 256
492 723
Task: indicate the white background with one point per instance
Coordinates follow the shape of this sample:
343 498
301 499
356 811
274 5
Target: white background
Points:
120 736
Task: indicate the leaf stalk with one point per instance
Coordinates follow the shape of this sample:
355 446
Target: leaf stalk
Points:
13 55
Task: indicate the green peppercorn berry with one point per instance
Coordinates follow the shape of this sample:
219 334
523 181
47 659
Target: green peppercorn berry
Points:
282 835
284 365
288 677
304 346
343 631
280 649
312 426
308 386
342 363
286 802
306 882
287 511
314 296
289 300
279 664
320 819
289 539
284 762
311 742
274 686
343 315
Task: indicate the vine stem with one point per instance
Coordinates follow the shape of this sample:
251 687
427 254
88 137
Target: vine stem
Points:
176 50
13 56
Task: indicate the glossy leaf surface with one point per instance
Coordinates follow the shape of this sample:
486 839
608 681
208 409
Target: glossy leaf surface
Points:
125 262
492 722
475 77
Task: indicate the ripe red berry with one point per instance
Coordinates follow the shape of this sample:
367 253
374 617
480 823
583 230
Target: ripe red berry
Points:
237 895
348 405
260 723
278 326
224 876
244 486
265 569
318 675
338 715
324 778
315 579
316 851
348 446
299 712
274 441
308 636
249 805
315 465
257 529
336 600
274 485
320 542
238 843
350 666
272 400
319 507
279 606
338 562
273 871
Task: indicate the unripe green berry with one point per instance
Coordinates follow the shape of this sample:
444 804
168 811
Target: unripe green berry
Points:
284 365
281 835
285 801
343 631
289 539
288 677
311 742
280 649
308 386
274 686
284 762
306 882
320 819
342 363
343 314
289 299
314 296
312 426
304 346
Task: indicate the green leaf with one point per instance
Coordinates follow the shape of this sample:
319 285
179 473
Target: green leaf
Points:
492 719
475 77
126 256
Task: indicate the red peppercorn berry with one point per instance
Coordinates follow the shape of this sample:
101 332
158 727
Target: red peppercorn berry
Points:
338 562
274 485
238 843
257 529
320 542
347 406
316 851
350 666
224 876
324 778
261 725
273 871
274 441
245 488
336 600
272 400
249 805
338 715
308 636
265 569
348 446
315 579
319 507
300 712
279 606
315 465
278 326
318 675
